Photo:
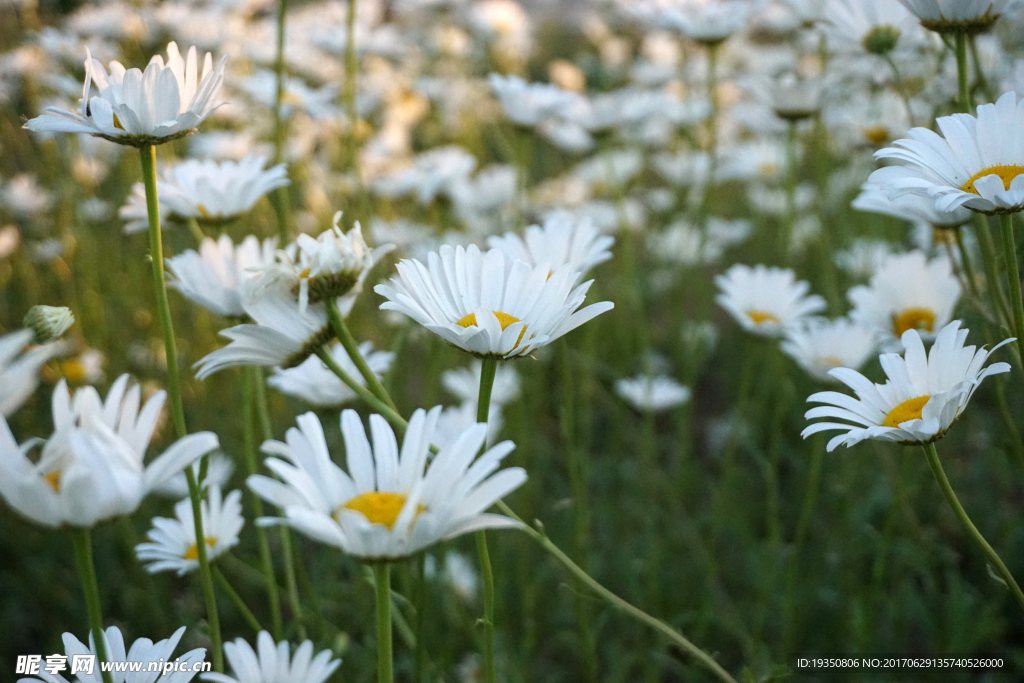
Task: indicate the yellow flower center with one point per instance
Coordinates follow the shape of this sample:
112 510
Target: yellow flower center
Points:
1005 173
504 319
380 507
767 169
193 550
908 410
828 362
921 319
877 135
762 317
202 211
53 479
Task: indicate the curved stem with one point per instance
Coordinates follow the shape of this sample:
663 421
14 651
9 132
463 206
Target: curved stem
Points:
386 411
82 541
382 576
237 601
1013 275
351 347
961 514
488 369
147 156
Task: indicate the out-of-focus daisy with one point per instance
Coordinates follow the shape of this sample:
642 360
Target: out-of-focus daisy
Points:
24 196
165 102
270 663
709 22
389 504
908 292
213 192
219 469
688 245
457 571
83 367
563 240
92 467
19 368
872 25
958 16
213 276
874 198
144 651
430 174
863 258
976 163
135 213
528 104
173 545
654 394
314 383
922 396
464 383
818 345
765 300
488 304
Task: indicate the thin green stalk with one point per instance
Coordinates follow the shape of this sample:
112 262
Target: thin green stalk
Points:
988 260
947 490
382 576
82 541
263 416
250 378
965 260
962 75
352 349
802 526
420 653
197 232
1013 277
362 392
280 203
236 599
792 169
488 369
348 95
147 155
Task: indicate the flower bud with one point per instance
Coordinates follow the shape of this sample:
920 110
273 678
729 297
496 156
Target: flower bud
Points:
49 322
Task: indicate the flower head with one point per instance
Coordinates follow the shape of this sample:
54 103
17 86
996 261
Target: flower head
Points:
270 663
488 304
214 276
977 163
529 104
922 396
167 101
708 22
874 198
49 322
389 504
217 192
958 16
819 345
19 368
563 240
653 394
764 300
173 544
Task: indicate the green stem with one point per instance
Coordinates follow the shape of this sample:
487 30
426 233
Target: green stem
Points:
786 238
348 342
488 369
147 155
82 540
961 514
236 599
197 232
988 260
965 260
349 92
382 576
963 77
390 414
250 378
420 656
1013 275
280 202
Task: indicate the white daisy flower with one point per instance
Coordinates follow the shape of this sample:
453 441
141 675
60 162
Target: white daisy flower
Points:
707 22
92 467
488 304
166 102
654 394
389 504
976 163
270 663
464 383
922 396
907 292
214 276
456 419
818 345
876 26
958 16
135 212
563 240
314 383
19 368
765 300
173 546
213 192
219 469
874 198
142 651
429 175
529 104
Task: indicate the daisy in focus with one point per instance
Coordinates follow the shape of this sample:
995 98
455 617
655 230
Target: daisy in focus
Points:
173 545
874 198
653 394
819 345
389 504
314 383
908 292
765 301
922 396
977 163
270 663
488 304
166 102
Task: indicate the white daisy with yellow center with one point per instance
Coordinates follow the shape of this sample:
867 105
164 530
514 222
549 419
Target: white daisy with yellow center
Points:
819 345
173 545
908 292
389 504
487 303
922 396
765 300
977 163
273 663
564 239
217 192
214 276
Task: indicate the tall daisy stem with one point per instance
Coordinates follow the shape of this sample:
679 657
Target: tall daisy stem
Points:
156 252
961 514
382 576
1013 275
82 540
962 74
352 349
237 601
792 170
349 92
389 413
488 369
280 202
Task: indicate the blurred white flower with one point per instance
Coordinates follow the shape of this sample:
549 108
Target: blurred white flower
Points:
873 197
562 240
528 104
216 192
430 174
654 394
764 300
24 196
875 26
958 16
172 543
219 469
214 277
707 21
19 368
819 345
